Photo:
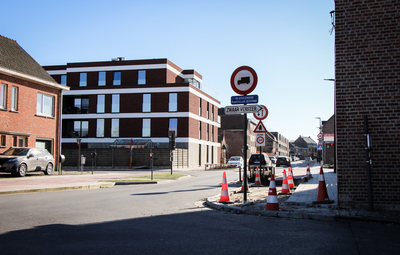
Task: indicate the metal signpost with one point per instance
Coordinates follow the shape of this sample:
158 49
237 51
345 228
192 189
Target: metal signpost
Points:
243 81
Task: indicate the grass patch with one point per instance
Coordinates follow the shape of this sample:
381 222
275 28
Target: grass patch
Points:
147 177
159 176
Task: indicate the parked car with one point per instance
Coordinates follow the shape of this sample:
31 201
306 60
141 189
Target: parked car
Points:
255 160
266 166
236 160
21 160
282 160
273 159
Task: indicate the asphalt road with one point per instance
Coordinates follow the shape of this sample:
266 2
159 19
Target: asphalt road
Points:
165 219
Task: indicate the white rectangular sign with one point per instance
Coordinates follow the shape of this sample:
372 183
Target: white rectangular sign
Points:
260 139
238 109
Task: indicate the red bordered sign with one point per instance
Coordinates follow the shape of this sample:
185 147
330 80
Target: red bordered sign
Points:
244 80
261 114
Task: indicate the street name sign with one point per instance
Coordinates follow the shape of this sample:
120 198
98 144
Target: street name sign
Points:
248 99
238 109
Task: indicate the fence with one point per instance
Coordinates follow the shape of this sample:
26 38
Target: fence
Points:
120 157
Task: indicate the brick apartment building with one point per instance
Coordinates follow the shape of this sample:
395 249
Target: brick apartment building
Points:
367 80
138 99
282 145
29 101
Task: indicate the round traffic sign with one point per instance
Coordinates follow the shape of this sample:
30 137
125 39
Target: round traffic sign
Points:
260 140
261 114
244 80
319 135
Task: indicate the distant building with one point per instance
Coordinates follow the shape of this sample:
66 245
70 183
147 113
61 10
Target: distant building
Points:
139 99
29 101
307 143
329 141
297 151
282 145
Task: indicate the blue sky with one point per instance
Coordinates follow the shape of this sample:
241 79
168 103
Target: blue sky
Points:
288 43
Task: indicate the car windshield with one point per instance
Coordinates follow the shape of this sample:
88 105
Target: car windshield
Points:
235 159
16 152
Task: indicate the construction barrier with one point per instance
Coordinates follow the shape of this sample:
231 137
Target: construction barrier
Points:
272 200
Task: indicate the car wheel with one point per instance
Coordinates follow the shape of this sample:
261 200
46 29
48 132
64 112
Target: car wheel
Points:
21 170
49 169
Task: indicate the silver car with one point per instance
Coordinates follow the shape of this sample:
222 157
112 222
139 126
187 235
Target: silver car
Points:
21 160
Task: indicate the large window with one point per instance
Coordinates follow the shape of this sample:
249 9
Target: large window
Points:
173 125
81 128
45 105
81 105
142 77
102 79
114 127
146 128
82 79
212 112
208 132
64 79
117 78
208 110
199 106
14 99
173 102
115 103
146 107
100 103
200 130
3 96
100 128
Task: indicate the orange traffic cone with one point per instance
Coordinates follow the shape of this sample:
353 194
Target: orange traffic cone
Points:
322 197
257 182
224 191
308 171
285 185
272 200
290 178
242 188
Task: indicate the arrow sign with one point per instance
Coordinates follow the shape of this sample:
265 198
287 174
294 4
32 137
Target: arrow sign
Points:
260 128
238 109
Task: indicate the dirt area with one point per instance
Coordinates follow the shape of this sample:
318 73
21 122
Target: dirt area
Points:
257 198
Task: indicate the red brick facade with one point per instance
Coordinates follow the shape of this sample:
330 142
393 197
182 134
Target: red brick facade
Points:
368 83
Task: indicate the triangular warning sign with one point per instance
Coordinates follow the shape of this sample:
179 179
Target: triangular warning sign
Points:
260 128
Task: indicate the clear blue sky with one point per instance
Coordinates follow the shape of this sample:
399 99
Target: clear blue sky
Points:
286 42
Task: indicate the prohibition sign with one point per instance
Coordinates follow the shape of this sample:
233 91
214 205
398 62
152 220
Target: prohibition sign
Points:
261 114
260 140
244 80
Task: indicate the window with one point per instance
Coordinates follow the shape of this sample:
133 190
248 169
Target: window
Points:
14 99
208 110
100 103
102 79
3 96
45 105
81 128
3 140
21 142
82 79
114 127
15 140
212 112
141 77
199 154
199 106
199 129
117 78
81 105
173 125
100 128
173 102
64 79
146 107
146 128
212 133
208 133
115 103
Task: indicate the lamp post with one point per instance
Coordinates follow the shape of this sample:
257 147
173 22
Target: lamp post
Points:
320 131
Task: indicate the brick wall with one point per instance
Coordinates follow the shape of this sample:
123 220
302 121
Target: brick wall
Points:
368 83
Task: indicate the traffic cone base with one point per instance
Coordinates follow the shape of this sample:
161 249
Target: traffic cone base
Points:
242 188
272 200
322 197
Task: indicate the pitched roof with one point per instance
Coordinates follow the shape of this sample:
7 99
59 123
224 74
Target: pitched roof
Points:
308 140
15 59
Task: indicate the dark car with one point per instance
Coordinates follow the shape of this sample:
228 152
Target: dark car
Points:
282 160
21 160
255 160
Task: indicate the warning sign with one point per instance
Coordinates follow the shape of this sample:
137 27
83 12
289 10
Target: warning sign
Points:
260 128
